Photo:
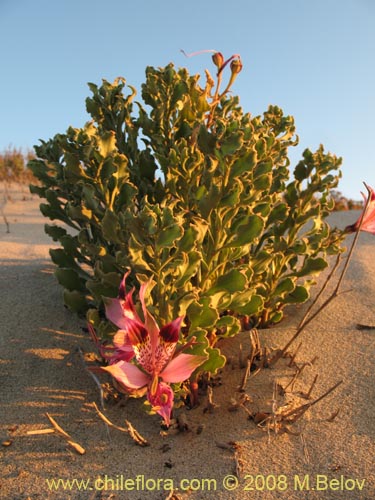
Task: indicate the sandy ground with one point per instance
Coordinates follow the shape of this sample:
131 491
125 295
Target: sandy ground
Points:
41 371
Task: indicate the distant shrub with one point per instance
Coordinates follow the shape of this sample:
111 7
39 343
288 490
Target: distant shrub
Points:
343 203
13 166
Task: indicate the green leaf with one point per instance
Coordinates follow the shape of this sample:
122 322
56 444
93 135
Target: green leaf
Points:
215 361
206 140
312 266
276 317
78 212
56 232
69 279
187 242
111 227
285 286
168 236
247 303
182 303
89 194
93 317
190 269
231 282
107 143
100 289
298 296
75 301
202 315
210 201
278 213
247 231
230 145
62 259
230 324
138 256
244 164
232 198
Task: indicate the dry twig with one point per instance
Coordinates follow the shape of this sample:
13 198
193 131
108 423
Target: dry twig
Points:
59 430
134 434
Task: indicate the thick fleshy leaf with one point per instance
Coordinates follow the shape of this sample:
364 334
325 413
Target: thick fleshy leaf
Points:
247 231
75 301
168 236
215 360
128 374
233 281
299 295
181 367
312 266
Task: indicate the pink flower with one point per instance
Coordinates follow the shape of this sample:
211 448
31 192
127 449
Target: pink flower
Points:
122 308
156 363
116 311
368 222
121 350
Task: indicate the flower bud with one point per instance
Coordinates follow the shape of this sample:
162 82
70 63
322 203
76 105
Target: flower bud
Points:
218 59
236 66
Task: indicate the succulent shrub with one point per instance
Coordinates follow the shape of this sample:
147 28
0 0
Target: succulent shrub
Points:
191 193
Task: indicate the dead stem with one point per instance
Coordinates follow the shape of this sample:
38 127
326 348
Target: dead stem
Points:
245 377
292 359
134 434
338 259
296 413
77 447
305 449
210 403
308 394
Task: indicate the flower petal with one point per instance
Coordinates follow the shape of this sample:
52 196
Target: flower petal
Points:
170 332
168 338
150 322
141 343
368 222
181 367
122 288
115 312
162 401
128 374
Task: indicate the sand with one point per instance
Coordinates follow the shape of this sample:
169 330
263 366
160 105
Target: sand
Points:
42 371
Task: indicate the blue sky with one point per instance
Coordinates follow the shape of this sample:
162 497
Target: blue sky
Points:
314 59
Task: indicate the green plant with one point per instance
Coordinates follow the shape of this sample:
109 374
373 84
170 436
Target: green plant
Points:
193 195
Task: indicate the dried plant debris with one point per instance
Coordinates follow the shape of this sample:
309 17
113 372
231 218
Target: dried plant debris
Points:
210 407
280 418
333 415
360 326
57 429
134 434
173 496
